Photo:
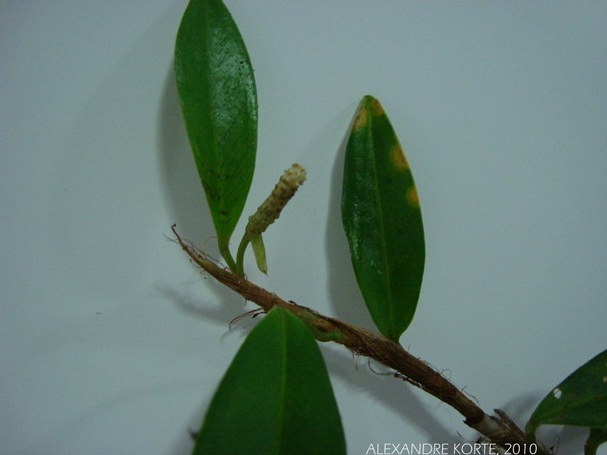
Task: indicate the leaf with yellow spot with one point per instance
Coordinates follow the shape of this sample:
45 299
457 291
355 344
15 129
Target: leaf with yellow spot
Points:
382 220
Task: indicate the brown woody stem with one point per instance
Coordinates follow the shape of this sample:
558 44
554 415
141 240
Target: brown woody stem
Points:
499 428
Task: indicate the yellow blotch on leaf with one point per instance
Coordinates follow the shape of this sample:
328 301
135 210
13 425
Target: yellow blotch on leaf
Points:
362 117
369 106
412 198
376 108
397 156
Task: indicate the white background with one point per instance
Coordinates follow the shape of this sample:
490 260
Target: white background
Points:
111 341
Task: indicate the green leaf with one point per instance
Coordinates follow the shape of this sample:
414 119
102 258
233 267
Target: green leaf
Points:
580 400
382 220
275 398
218 101
595 439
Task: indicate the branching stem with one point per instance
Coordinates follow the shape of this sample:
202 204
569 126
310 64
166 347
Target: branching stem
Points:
499 428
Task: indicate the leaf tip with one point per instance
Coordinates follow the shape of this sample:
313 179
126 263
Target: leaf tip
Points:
373 105
368 107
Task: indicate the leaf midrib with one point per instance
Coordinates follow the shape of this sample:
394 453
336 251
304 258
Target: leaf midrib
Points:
386 264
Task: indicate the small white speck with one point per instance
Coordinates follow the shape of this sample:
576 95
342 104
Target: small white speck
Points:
557 393
605 379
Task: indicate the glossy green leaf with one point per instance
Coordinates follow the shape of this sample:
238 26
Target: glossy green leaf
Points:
580 400
275 398
218 101
382 220
595 439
